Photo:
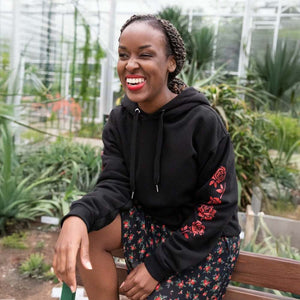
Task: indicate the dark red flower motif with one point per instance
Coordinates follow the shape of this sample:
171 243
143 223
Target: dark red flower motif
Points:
214 200
197 228
221 190
206 212
218 177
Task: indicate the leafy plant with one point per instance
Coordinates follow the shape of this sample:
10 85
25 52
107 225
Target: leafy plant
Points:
59 159
203 45
270 245
15 240
36 267
85 72
16 193
281 133
175 16
90 130
278 73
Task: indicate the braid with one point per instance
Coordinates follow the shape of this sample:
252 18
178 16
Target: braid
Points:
174 46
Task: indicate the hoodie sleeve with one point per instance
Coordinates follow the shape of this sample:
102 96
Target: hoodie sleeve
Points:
112 192
216 204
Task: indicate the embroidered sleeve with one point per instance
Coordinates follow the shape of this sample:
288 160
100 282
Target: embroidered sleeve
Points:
217 202
207 212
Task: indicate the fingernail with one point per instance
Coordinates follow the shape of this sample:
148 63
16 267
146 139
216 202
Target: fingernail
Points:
122 285
89 265
72 288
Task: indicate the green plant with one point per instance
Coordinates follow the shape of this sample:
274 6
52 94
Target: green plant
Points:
16 193
175 16
90 130
278 73
40 245
281 133
203 45
15 240
271 245
85 72
36 267
59 158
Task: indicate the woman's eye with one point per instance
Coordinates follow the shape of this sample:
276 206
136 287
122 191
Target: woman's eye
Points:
122 55
145 55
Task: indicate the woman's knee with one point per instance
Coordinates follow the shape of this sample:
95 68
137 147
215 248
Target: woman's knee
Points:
107 238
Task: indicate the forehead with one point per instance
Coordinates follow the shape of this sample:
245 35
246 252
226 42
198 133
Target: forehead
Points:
141 32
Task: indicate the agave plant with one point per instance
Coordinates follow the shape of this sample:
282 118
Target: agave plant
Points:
203 45
279 73
16 198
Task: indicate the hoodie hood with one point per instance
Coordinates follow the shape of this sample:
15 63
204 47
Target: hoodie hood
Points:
186 100
182 103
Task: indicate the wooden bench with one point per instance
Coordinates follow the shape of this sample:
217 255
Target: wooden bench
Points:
255 269
252 268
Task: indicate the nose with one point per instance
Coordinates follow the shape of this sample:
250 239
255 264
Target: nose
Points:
131 64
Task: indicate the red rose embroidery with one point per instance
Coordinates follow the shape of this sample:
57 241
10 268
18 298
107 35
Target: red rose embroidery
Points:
198 228
221 190
214 200
218 177
206 212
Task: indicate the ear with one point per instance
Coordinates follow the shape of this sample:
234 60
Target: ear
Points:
171 64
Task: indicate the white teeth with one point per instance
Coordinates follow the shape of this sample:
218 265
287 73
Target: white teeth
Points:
134 80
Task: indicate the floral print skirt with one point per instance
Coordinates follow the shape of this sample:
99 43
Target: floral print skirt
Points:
207 280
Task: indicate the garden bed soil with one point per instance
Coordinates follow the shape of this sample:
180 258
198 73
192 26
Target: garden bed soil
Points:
12 285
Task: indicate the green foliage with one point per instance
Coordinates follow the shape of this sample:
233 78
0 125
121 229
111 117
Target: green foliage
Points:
175 16
85 72
278 73
59 159
270 245
203 45
36 267
40 245
15 241
280 132
76 168
17 200
281 136
90 130
250 151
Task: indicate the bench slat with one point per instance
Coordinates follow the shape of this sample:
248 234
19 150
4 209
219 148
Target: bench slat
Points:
238 293
268 271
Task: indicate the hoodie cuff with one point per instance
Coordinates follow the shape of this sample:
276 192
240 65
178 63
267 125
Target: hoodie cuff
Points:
155 269
80 212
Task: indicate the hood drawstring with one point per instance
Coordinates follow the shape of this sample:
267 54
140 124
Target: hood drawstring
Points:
133 151
159 142
158 149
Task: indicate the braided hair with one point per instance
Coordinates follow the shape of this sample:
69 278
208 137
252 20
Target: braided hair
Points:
174 46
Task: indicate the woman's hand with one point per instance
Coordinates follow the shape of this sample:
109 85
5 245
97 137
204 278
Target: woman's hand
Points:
139 284
73 236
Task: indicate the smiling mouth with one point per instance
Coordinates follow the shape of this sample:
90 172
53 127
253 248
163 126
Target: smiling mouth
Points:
134 84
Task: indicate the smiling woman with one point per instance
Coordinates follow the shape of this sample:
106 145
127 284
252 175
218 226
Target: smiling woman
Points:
167 193
143 66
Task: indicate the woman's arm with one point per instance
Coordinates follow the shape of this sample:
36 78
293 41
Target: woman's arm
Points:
217 202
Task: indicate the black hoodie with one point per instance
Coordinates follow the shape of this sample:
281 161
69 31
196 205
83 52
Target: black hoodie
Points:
178 165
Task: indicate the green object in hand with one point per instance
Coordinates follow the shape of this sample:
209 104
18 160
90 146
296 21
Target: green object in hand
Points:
66 293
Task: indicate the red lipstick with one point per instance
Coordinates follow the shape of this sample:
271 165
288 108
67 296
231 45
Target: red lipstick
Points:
132 86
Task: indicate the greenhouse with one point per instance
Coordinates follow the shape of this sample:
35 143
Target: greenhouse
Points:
59 82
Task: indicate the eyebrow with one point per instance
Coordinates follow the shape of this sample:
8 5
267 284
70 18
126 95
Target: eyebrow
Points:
141 47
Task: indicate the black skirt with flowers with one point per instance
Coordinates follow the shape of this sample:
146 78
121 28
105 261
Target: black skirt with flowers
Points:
207 280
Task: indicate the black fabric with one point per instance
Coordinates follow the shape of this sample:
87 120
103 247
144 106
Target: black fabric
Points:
179 164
